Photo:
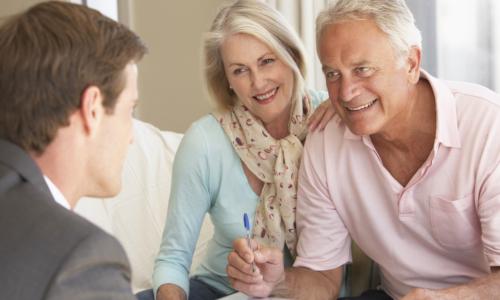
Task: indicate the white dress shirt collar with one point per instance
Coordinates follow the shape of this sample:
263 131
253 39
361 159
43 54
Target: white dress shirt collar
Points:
56 193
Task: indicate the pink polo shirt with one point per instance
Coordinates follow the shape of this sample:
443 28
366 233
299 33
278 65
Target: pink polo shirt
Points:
441 230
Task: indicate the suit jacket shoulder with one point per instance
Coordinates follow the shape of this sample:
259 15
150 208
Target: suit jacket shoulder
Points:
46 251
97 268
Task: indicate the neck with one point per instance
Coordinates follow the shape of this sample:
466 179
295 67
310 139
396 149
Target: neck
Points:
277 131
278 128
417 124
63 165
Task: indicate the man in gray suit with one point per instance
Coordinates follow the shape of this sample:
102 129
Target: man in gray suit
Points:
68 86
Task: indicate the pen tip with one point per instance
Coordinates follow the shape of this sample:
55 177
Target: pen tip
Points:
245 221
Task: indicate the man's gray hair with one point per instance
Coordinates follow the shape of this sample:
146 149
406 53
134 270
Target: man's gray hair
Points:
393 17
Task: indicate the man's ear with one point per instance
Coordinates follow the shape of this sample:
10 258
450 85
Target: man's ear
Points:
91 108
414 57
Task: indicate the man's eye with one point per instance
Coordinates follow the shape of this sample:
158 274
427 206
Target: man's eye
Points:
332 75
364 71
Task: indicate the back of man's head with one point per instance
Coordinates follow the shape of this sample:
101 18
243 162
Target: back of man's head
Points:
49 55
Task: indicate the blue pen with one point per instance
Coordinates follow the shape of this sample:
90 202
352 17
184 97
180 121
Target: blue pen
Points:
247 227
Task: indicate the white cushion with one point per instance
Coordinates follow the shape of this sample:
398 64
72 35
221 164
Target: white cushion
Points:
136 216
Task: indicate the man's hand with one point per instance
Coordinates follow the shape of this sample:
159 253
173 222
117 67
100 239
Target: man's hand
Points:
268 273
321 116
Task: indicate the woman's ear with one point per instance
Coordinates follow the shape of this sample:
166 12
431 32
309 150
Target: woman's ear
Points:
91 108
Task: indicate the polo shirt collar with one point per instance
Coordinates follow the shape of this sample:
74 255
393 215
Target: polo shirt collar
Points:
446 110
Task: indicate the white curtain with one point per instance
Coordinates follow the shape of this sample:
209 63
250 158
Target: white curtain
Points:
461 38
108 8
496 44
468 45
302 16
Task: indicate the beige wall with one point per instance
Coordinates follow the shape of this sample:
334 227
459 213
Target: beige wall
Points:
172 91
9 7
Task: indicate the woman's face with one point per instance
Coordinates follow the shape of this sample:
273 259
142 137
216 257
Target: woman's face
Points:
262 82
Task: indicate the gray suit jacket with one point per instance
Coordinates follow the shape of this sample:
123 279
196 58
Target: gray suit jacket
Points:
46 251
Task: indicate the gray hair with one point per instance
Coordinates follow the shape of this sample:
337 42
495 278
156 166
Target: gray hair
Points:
259 20
393 17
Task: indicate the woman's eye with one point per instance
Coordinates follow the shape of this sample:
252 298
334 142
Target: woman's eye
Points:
267 61
238 71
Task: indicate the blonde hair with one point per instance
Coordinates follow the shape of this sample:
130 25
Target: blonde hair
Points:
257 19
391 16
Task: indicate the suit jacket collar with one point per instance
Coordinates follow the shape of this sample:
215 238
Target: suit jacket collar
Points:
18 159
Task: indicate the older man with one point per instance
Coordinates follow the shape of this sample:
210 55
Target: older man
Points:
68 86
410 171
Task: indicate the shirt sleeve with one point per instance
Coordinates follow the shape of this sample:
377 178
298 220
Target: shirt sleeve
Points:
189 201
489 214
323 240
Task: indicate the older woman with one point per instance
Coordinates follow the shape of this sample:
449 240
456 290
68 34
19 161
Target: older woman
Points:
242 158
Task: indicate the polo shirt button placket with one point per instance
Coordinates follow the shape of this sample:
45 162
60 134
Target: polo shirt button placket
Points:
406 205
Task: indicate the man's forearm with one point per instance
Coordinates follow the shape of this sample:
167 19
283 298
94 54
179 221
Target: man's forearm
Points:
487 287
170 292
303 283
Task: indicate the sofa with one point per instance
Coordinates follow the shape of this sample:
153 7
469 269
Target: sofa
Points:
136 216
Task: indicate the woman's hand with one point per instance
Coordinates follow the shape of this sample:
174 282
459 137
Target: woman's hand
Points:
321 116
259 281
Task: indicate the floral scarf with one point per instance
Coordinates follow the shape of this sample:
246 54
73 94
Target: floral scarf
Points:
275 163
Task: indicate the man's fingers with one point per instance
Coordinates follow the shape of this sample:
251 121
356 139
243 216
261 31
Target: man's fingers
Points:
328 115
317 117
321 116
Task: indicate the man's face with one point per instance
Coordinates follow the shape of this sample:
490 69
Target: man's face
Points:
114 135
367 82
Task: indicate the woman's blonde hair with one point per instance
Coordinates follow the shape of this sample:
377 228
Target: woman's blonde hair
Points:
261 21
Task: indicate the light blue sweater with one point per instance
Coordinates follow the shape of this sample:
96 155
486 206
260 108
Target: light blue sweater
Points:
207 178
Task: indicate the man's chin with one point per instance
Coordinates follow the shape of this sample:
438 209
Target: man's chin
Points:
361 130
107 191
114 190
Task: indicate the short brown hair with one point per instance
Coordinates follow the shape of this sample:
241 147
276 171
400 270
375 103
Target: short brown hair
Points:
49 55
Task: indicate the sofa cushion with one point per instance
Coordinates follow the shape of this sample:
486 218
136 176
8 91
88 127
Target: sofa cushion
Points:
136 216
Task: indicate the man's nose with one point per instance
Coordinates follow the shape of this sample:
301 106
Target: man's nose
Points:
348 89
